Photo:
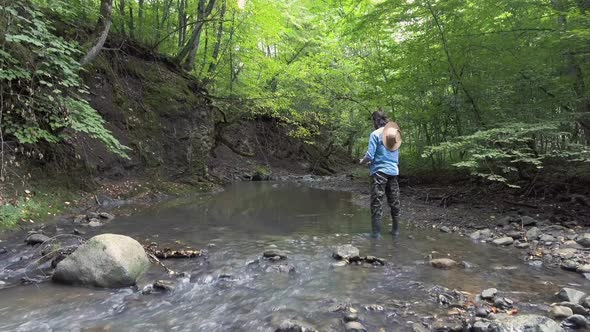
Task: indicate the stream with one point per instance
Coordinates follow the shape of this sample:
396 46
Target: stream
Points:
232 289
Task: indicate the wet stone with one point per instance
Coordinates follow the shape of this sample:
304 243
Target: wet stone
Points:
445 229
339 264
482 312
533 233
527 221
583 268
571 295
80 218
350 317
94 223
345 252
36 238
164 285
294 326
3 251
514 234
354 327
481 326
443 263
576 322
547 238
489 293
106 215
521 245
560 312
503 241
584 240
274 252
503 303
576 308
569 265
284 268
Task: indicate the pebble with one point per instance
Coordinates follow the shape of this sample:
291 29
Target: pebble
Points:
547 238
503 303
164 285
527 221
445 229
533 233
569 265
489 294
443 263
354 327
560 312
503 241
482 312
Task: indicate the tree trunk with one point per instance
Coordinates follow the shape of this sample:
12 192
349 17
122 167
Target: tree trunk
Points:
182 22
188 54
104 22
123 14
131 23
217 48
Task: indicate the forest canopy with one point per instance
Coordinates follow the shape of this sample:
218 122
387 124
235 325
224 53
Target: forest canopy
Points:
499 87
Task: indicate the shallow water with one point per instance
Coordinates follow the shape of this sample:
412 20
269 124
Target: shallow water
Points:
236 226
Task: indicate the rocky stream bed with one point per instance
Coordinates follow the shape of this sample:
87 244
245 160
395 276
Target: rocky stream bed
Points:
283 256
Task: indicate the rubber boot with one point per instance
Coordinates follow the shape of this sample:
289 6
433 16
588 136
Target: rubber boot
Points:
395 226
376 228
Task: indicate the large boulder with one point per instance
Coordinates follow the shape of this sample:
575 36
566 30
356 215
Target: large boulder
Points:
107 260
532 323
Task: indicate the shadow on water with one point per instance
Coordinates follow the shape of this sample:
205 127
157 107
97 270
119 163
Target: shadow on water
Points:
236 226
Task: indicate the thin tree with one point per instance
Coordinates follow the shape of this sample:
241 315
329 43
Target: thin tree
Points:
104 24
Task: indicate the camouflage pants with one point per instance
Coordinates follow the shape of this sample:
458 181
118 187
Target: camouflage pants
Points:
382 186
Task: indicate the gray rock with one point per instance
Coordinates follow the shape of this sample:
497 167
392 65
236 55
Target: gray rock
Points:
445 229
164 285
584 240
3 251
284 268
560 312
36 238
354 327
504 221
481 326
583 268
576 308
533 233
503 303
571 295
527 221
522 245
503 241
488 294
547 238
94 223
351 317
294 326
443 263
80 218
107 260
482 312
576 322
274 252
514 234
586 302
571 244
566 253
569 265
346 251
419 327
106 215
532 323
482 234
